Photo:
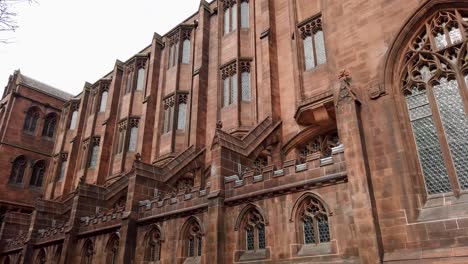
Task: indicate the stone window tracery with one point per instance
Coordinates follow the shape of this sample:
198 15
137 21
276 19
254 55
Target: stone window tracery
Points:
17 170
153 246
87 253
313 221
30 122
254 229
49 125
321 145
38 171
193 239
434 81
313 43
112 250
229 76
132 144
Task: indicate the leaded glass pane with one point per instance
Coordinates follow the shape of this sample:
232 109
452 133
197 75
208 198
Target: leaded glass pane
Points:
186 52
73 119
234 89
245 83
191 247
455 35
176 54
199 249
133 139
320 47
427 143
141 79
250 239
234 17
261 237
309 234
244 14
226 21
323 228
308 53
94 156
171 55
63 166
226 92
455 125
182 116
166 120
103 105
153 252
441 41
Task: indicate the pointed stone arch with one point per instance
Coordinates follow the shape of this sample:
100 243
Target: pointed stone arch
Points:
245 210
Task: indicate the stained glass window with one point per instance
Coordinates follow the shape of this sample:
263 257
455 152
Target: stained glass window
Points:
17 170
261 237
103 105
153 249
250 239
245 86
309 235
38 172
73 120
314 221
140 79
435 102
186 52
244 14
191 247
199 246
132 144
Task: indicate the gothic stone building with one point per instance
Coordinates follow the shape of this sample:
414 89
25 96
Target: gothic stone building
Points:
256 131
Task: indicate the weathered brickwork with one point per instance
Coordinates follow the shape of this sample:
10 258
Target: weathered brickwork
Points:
266 131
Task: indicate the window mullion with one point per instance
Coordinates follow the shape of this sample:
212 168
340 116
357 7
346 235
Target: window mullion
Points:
314 50
443 141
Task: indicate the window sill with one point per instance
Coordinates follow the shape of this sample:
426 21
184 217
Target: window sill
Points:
308 250
251 255
51 139
28 133
16 185
444 206
316 68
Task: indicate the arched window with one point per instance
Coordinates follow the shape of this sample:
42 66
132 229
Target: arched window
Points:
132 143
313 43
87 252
433 80
58 254
153 245
128 87
17 170
252 230
41 257
182 111
186 51
312 221
103 104
192 237
38 172
49 125
230 16
141 79
244 13
112 250
30 122
246 93
74 116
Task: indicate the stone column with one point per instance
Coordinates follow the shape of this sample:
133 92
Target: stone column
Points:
351 136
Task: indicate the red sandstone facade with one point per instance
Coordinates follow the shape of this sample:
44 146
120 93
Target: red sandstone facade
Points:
238 138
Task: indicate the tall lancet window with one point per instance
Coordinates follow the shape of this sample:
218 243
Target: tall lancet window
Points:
313 43
434 77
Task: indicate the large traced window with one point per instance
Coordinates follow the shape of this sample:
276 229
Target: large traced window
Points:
49 125
30 122
38 172
112 249
18 167
434 78
321 145
312 222
313 43
87 252
153 245
253 229
192 237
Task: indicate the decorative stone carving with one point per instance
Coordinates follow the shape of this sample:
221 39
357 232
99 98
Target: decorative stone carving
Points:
311 27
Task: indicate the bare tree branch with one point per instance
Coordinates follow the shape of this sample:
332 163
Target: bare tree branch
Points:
8 16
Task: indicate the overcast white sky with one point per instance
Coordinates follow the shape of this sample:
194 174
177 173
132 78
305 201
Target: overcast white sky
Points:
66 43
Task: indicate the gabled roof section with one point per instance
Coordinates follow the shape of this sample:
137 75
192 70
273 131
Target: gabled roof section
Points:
41 87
